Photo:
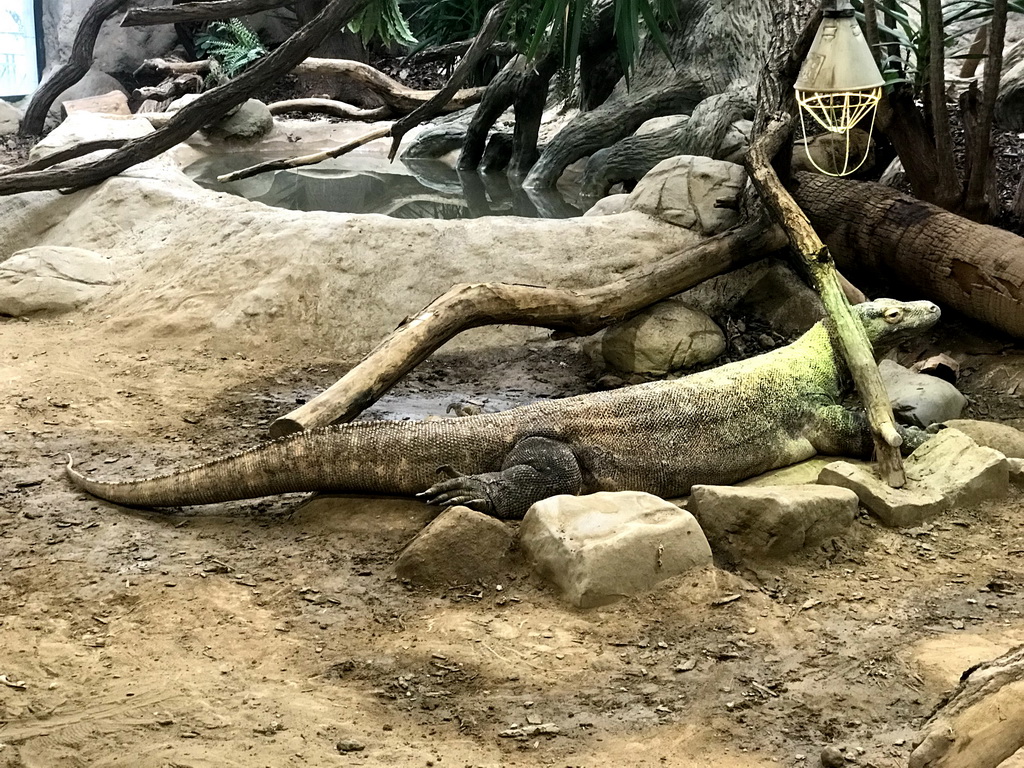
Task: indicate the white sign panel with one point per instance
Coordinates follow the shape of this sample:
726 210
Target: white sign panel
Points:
19 71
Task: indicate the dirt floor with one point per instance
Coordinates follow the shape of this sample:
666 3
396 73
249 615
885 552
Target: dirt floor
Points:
273 633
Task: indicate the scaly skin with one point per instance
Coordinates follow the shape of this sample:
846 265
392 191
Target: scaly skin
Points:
716 427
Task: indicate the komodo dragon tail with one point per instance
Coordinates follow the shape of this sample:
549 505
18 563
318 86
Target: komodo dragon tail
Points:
367 457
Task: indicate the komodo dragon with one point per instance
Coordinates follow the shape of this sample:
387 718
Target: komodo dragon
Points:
719 426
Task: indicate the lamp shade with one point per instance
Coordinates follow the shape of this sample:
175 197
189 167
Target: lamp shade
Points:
840 59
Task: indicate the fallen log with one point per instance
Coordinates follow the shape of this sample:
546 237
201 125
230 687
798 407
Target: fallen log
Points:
572 312
71 71
982 723
204 11
874 231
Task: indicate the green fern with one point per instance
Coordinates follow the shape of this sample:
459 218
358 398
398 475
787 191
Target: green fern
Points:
231 44
383 19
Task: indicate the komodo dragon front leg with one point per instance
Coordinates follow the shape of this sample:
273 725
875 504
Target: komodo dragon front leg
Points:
839 431
535 468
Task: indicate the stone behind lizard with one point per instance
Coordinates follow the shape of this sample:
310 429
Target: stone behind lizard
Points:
718 427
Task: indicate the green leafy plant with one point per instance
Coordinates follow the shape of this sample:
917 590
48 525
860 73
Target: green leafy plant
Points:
383 19
231 44
905 29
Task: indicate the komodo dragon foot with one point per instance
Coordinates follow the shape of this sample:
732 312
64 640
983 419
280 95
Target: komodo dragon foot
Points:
537 467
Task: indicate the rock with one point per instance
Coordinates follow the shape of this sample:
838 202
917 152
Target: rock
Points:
733 148
349 745
10 118
1016 469
118 49
112 103
1002 437
918 398
950 469
804 473
832 757
80 127
696 193
599 548
896 507
965 472
94 83
664 123
1009 107
608 206
784 301
51 278
667 337
893 175
826 152
251 121
759 523
461 546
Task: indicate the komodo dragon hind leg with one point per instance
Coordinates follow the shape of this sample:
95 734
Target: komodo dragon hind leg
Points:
535 468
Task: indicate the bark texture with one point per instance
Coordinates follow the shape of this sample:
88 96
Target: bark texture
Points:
982 722
72 70
203 11
871 229
711 51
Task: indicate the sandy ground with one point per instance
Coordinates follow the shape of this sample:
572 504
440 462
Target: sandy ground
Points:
272 633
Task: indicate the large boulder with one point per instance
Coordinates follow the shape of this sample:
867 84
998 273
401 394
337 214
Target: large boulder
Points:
667 337
460 546
600 548
10 118
918 398
761 523
696 193
52 279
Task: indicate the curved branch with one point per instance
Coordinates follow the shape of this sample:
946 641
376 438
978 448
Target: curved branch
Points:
575 312
73 70
329 107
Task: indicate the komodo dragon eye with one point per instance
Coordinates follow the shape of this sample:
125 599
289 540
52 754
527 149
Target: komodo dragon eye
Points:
893 315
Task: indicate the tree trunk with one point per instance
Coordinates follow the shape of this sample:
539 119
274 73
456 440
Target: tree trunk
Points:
875 231
182 13
982 723
72 70
714 47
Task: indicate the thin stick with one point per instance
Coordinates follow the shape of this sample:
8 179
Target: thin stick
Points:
297 162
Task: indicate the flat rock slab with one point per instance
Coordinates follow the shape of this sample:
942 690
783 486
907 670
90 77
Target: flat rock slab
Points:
759 523
600 548
52 279
461 546
1008 440
949 470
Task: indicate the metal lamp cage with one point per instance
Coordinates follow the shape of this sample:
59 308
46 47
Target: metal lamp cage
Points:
839 84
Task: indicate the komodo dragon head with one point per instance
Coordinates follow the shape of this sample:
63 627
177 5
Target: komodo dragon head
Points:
889 321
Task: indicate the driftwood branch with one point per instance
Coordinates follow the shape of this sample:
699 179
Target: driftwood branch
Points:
450 51
203 11
849 333
207 108
439 102
329 107
297 162
73 70
575 312
982 723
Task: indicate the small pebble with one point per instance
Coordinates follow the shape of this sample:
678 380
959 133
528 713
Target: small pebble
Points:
831 757
349 745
